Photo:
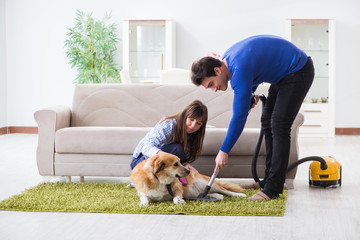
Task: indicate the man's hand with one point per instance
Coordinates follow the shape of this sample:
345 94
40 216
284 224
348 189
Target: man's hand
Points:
221 159
256 100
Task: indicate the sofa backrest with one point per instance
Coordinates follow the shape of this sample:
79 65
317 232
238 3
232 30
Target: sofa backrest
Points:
143 105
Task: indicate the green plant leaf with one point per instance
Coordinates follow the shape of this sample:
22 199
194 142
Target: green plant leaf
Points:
90 48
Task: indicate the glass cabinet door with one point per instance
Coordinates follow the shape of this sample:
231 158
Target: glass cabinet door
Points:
313 38
146 49
317 38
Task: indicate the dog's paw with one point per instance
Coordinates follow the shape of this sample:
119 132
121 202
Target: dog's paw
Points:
239 195
143 204
178 200
144 201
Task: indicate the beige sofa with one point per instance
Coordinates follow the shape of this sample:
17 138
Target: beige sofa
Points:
97 136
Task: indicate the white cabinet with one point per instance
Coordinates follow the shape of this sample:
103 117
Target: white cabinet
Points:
148 48
316 119
317 38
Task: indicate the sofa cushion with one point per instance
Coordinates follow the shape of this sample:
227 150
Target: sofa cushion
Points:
245 145
123 140
100 140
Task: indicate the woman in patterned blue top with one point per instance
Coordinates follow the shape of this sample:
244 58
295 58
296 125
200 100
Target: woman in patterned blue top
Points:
247 64
181 134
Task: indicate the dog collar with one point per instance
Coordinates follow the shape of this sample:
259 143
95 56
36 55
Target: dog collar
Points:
168 186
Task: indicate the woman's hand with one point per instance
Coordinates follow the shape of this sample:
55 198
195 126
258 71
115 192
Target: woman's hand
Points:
188 166
221 159
160 152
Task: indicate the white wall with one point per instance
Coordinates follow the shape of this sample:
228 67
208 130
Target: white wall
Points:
38 74
2 66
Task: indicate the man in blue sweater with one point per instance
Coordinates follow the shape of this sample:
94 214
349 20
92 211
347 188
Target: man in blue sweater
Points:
247 64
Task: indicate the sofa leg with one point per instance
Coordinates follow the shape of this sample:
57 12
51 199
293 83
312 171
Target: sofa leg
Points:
68 179
289 183
82 179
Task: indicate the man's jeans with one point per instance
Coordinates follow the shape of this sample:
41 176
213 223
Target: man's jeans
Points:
282 105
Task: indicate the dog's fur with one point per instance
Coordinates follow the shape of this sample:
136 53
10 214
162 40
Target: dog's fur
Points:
151 176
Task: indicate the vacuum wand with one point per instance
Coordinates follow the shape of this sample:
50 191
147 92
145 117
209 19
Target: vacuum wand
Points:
203 196
208 186
213 177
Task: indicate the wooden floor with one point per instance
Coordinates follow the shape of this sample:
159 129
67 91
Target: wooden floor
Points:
311 213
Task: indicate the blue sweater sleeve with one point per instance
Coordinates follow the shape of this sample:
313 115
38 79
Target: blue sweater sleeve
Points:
242 84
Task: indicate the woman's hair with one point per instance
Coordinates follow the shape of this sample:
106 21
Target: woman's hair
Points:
196 110
204 68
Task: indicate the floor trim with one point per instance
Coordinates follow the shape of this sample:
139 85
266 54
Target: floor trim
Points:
347 131
3 130
9 130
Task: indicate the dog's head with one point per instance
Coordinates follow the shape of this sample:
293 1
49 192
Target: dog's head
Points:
167 167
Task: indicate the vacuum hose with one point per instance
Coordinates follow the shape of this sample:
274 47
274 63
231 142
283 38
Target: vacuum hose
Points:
323 165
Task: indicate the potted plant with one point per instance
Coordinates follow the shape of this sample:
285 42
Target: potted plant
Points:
90 47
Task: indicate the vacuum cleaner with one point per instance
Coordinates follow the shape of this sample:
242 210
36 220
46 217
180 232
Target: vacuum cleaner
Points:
327 177
323 171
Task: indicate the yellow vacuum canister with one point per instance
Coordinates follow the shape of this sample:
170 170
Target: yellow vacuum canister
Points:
331 176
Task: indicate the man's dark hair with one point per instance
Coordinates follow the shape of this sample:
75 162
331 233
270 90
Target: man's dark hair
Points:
203 68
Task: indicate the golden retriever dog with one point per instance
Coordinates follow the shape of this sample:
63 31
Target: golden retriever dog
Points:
151 177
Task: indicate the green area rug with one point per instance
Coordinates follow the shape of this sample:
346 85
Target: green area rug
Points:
117 198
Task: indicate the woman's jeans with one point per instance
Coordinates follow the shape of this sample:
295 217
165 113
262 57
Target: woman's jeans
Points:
176 149
282 105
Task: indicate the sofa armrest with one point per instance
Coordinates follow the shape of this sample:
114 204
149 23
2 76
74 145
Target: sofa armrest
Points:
49 120
294 147
299 120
